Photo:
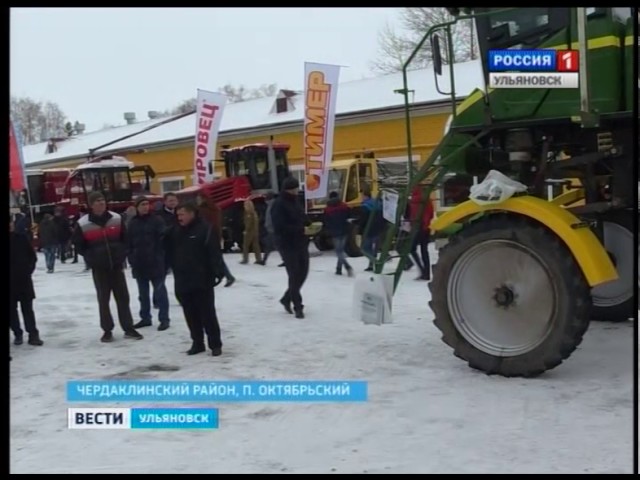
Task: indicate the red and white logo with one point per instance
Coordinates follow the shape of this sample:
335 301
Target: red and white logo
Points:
567 61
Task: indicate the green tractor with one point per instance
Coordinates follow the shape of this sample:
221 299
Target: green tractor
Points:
518 281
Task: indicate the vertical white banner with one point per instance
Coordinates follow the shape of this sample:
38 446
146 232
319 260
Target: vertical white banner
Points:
209 110
321 92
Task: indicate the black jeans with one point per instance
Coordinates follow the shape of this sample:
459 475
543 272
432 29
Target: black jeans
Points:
199 307
107 281
29 318
296 261
421 240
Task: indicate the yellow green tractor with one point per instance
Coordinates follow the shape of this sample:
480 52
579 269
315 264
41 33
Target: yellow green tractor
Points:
518 281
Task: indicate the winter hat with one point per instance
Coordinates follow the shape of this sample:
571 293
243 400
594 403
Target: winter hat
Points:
290 183
141 199
94 197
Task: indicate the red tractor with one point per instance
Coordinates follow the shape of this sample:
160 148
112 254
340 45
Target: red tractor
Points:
251 171
69 188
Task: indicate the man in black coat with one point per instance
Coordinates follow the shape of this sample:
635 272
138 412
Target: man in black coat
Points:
23 263
168 210
48 240
195 257
145 236
64 232
100 239
289 221
336 223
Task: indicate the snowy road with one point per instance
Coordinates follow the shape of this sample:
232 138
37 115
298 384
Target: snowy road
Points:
427 411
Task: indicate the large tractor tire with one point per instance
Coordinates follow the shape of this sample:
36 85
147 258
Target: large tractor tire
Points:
509 297
615 301
323 242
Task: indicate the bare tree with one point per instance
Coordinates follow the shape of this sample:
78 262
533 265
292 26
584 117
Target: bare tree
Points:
36 121
188 105
27 113
234 94
395 47
266 90
394 51
51 121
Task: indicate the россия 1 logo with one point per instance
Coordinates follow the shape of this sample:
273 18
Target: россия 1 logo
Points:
543 68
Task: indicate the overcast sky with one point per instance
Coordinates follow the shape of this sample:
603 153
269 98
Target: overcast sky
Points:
98 63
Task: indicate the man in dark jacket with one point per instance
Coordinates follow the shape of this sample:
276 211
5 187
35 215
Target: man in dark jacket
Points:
64 232
168 210
422 237
371 216
23 263
145 236
48 240
100 239
23 225
336 223
289 221
195 257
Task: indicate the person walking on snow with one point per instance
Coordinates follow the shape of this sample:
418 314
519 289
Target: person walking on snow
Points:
145 236
64 232
101 239
289 221
48 240
423 235
251 239
371 209
336 223
23 261
195 257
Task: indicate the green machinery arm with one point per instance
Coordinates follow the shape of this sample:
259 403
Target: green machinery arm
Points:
436 166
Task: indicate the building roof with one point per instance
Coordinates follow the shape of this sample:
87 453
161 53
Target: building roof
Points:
354 96
79 145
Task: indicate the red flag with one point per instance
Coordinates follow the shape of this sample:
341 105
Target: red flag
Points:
16 167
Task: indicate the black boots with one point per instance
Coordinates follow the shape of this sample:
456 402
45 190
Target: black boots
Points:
195 349
199 348
34 340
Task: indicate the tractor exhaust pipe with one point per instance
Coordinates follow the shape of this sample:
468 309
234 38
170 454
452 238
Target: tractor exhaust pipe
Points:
271 159
583 77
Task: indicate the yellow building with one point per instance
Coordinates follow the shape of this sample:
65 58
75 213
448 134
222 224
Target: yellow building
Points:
370 117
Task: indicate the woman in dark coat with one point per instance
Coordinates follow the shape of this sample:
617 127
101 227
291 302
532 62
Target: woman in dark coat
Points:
23 264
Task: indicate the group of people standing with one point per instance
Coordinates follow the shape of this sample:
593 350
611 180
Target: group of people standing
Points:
185 239
174 239
54 235
372 227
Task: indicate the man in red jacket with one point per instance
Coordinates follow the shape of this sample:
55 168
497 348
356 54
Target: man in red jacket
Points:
422 237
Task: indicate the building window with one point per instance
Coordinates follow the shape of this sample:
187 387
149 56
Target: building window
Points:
171 185
281 105
298 174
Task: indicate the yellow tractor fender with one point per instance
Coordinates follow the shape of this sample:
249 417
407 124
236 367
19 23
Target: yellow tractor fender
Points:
587 250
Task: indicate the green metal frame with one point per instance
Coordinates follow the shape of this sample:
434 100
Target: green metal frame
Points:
433 169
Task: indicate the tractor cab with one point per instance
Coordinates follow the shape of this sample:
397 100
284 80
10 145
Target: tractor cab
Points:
349 178
112 177
263 164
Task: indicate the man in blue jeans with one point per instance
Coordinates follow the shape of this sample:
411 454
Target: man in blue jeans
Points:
147 259
371 216
336 223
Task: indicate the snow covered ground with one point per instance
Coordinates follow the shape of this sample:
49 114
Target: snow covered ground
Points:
427 411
